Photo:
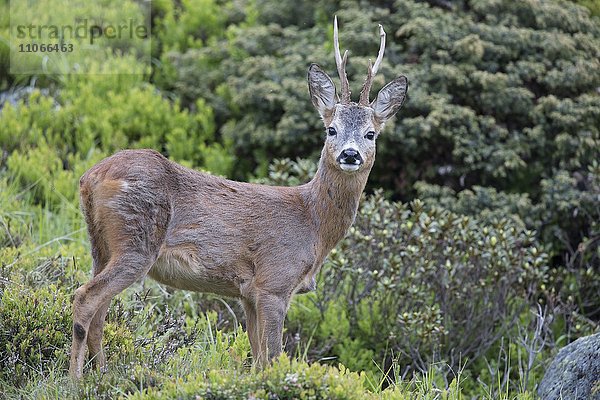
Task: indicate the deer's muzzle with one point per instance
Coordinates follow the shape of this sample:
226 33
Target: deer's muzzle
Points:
350 159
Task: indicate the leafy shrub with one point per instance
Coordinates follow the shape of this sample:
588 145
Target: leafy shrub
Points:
285 172
35 330
189 24
484 202
566 217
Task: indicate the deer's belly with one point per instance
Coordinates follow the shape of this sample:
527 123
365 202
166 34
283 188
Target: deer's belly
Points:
180 268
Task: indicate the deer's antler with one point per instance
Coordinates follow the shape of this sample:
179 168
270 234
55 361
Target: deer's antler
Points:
373 68
341 64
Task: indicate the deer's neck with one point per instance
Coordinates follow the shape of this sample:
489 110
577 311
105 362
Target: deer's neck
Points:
333 198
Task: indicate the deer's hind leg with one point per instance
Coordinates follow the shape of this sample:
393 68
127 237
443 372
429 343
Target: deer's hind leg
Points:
132 244
95 331
92 299
94 337
100 259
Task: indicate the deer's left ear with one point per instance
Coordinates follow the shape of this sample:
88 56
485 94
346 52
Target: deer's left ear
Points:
322 91
390 98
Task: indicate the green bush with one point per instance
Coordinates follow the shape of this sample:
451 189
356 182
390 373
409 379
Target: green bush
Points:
189 24
284 380
52 139
35 331
566 217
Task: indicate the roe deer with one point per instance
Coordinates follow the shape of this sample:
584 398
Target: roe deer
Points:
261 244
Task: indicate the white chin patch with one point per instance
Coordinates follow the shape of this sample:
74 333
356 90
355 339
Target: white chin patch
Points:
349 167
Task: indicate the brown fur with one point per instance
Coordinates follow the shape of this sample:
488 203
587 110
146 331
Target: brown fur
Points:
149 216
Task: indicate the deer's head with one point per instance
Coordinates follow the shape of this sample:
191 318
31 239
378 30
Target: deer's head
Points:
352 128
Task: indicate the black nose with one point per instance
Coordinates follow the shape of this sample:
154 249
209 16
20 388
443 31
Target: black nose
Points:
350 156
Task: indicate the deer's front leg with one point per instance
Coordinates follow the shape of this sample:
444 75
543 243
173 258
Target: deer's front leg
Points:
251 327
271 310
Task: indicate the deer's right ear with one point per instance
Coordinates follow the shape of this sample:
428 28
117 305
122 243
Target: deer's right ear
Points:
322 91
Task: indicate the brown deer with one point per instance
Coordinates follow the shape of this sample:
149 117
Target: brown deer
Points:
147 215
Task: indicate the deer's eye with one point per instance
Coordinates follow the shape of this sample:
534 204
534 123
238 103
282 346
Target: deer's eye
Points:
370 135
331 131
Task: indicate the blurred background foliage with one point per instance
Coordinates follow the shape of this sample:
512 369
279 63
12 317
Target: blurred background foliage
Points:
482 213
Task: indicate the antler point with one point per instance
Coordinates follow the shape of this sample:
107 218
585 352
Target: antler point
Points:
341 63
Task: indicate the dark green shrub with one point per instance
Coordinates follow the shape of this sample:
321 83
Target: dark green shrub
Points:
478 77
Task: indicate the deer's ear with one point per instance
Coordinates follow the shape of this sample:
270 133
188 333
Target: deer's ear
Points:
390 98
322 90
